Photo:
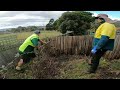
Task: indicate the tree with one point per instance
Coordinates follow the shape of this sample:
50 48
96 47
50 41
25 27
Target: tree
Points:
49 26
51 21
55 25
25 29
78 22
94 26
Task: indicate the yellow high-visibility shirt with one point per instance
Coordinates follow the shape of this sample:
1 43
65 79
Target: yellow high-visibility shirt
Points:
28 42
106 29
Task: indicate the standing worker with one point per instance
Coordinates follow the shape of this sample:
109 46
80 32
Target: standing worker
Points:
103 40
26 50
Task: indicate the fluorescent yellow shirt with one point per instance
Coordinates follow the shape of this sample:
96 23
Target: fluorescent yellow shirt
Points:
106 29
105 36
28 42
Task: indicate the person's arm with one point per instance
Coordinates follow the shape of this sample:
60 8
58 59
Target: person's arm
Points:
35 42
104 39
42 42
105 35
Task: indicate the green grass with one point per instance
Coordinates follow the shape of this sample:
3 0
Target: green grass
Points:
106 69
49 34
104 63
24 35
75 69
44 34
5 35
9 39
115 65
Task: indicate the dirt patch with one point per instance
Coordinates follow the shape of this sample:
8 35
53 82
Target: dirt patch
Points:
51 67
105 73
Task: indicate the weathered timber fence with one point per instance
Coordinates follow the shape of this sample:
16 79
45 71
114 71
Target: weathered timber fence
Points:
80 45
72 44
115 54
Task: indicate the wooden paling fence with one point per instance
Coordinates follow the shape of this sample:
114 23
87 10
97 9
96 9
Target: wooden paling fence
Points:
80 45
115 54
72 44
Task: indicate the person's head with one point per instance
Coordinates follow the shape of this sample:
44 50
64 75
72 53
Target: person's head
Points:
37 32
101 18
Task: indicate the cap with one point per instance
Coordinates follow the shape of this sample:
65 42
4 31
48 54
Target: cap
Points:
37 31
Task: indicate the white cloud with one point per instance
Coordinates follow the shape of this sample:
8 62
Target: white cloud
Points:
23 18
95 14
114 18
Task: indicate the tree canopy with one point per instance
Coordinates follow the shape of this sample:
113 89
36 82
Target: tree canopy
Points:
49 26
78 22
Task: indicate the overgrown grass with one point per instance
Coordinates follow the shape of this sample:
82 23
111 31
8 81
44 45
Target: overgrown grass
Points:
115 65
5 35
24 35
65 68
18 38
44 34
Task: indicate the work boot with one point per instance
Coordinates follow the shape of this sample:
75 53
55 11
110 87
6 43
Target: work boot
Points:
18 68
91 70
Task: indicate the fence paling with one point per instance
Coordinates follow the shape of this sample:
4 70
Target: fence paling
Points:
82 45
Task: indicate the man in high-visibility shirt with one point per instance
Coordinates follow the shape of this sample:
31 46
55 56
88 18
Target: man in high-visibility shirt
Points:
103 40
26 50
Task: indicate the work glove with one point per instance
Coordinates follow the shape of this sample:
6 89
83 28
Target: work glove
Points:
94 50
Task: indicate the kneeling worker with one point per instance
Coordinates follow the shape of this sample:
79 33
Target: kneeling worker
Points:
26 50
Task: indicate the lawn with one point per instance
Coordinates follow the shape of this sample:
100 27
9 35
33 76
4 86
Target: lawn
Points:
9 39
24 35
44 34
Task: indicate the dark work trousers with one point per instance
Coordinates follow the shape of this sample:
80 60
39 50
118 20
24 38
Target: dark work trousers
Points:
28 57
96 59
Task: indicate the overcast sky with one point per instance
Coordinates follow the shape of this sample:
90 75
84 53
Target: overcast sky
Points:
10 19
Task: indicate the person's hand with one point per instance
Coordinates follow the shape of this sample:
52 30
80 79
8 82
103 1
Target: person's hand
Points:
45 42
40 47
94 50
